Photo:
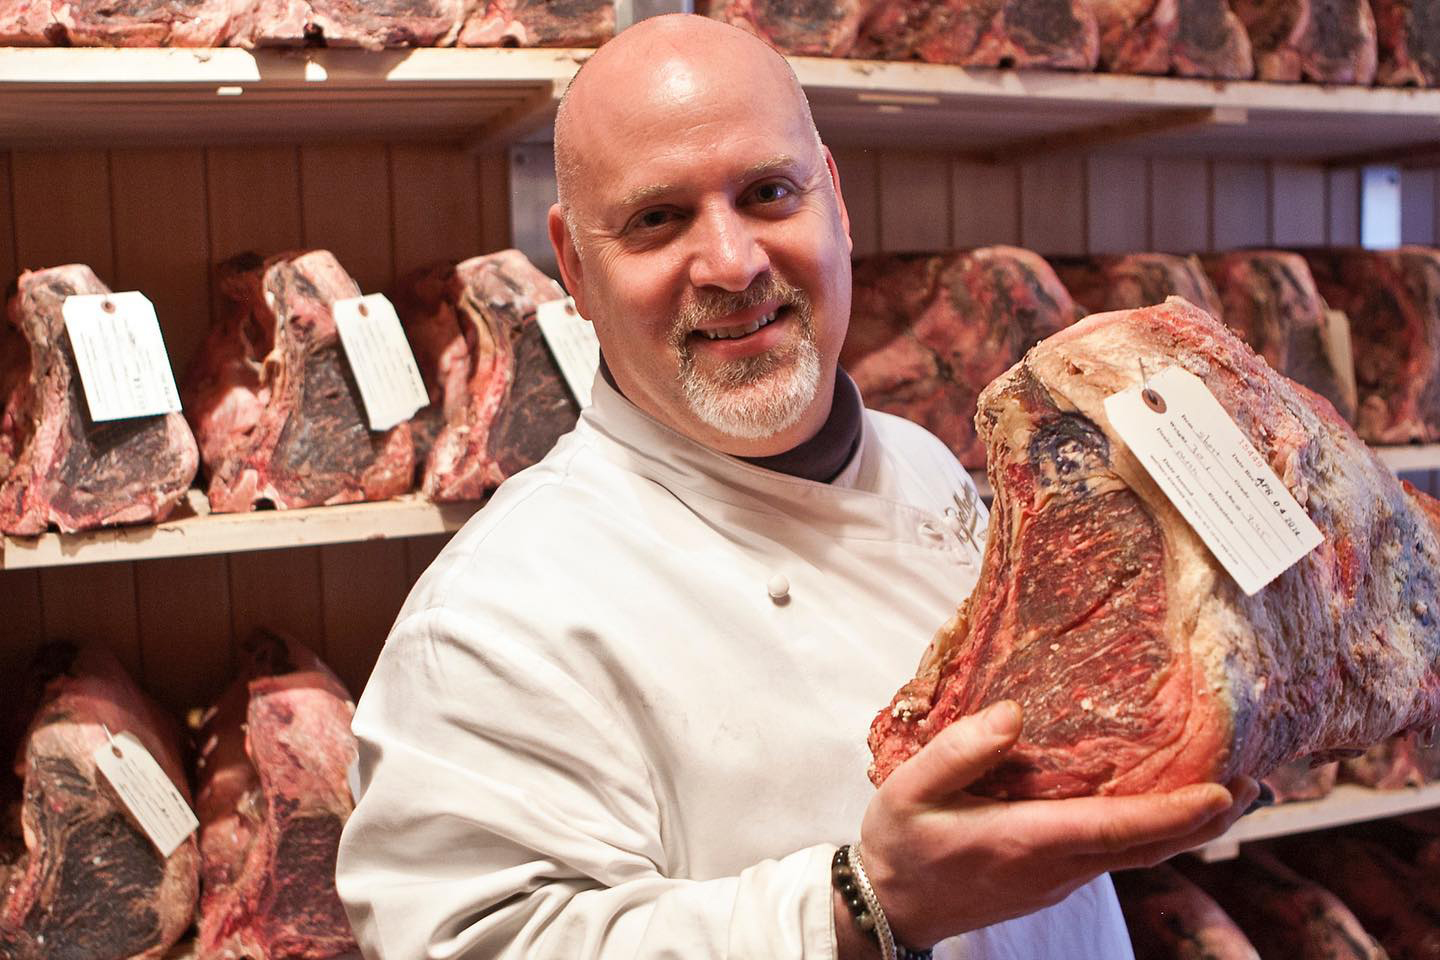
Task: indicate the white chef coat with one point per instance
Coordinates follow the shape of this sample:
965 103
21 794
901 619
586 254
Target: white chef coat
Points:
594 733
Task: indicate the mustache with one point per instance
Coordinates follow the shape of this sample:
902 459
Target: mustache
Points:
708 306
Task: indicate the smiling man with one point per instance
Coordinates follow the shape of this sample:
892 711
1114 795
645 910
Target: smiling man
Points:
623 714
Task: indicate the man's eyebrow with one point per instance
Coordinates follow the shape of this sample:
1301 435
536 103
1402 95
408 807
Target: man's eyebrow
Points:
773 165
644 195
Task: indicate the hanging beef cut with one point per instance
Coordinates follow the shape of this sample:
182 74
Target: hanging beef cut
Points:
272 399
272 797
57 466
1282 913
373 25
1269 297
795 27
498 402
81 879
539 23
929 331
1192 38
982 33
1409 39
1128 280
1169 917
1140 664
1323 41
1392 298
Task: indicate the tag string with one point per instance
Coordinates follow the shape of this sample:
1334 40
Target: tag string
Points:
114 747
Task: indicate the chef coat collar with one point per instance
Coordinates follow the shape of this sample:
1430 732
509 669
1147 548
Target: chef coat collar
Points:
824 456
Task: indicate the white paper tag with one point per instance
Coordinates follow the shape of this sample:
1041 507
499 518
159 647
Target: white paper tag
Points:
1214 476
147 792
390 383
572 341
124 368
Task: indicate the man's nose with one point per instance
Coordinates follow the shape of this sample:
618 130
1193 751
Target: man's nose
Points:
728 253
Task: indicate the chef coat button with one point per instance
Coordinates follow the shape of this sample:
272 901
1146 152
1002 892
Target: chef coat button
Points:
778 587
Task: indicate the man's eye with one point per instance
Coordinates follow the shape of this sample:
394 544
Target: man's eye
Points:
771 192
651 219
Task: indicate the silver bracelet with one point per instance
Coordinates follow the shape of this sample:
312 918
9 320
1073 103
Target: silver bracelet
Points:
872 904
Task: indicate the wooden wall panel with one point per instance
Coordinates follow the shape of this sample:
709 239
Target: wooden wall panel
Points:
1118 203
345 207
254 200
183 619
1297 199
94 602
860 185
1240 216
915 217
986 208
1052 204
8 266
436 206
1342 206
1417 206
359 612
494 200
62 210
1180 204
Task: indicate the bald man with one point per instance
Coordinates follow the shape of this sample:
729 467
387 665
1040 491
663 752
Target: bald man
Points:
624 712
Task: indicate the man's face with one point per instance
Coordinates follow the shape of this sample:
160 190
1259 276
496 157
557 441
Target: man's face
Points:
711 251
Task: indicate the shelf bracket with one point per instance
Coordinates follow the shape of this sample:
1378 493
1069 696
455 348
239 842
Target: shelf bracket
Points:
1131 128
518 120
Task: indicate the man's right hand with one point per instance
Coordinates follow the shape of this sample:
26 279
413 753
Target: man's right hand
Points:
944 861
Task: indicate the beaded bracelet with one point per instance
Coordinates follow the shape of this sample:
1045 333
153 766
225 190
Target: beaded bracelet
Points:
847 873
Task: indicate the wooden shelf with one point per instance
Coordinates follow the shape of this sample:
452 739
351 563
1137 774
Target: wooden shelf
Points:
1347 803
116 97
193 531
1406 459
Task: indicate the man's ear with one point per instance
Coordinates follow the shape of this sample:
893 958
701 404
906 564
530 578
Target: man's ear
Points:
839 197
572 274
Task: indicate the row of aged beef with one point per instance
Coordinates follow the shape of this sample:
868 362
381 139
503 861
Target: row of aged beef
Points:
929 331
289 23
79 878
1407 760
1365 892
1393 42
272 401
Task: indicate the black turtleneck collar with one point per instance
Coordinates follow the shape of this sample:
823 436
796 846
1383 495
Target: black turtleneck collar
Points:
823 456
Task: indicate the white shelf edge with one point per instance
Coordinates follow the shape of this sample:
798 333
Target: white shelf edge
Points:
197 534
1347 803
1424 456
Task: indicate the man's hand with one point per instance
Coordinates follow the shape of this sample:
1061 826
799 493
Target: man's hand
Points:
943 861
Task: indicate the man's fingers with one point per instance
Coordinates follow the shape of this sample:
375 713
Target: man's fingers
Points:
1113 825
958 755
1147 855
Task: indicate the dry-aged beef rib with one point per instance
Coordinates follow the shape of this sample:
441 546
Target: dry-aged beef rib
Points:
88 883
929 331
57 466
539 23
1140 664
105 23
1302 780
1392 298
982 33
497 400
1124 281
272 399
1192 38
1169 917
1210 41
1323 41
797 27
373 24
272 797
1269 297
1408 32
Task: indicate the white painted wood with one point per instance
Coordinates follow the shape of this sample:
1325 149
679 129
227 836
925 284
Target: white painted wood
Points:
1118 198
986 207
199 533
915 202
1417 206
1052 205
1241 214
1297 199
1180 208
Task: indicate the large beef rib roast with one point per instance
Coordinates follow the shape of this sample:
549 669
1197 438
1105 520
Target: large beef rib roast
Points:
1192 38
1169 917
374 25
1392 298
272 797
78 878
104 23
539 23
498 401
1210 41
1123 281
272 399
1140 663
795 27
1408 33
982 33
1322 41
929 331
57 465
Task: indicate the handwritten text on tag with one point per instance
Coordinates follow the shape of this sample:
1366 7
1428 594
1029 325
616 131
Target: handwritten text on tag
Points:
146 790
120 352
572 342
390 383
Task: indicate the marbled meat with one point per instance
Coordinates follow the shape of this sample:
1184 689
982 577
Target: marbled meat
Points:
1170 918
127 23
1210 41
374 24
1059 34
58 466
1269 297
272 400
1123 281
78 878
1322 41
539 23
1392 298
796 27
929 331
272 797
1408 32
1191 38
1302 780
1140 664
498 401
1404 760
